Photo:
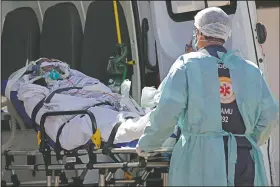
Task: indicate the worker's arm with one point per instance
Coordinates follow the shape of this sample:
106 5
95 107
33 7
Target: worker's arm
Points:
172 103
268 115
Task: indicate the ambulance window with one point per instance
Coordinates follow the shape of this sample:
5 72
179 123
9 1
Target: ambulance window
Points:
267 4
186 6
180 11
217 3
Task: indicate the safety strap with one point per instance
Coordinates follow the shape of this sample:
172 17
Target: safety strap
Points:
110 143
33 118
94 139
57 143
35 111
40 105
106 150
113 133
48 99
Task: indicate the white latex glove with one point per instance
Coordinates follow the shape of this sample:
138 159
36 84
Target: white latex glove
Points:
144 154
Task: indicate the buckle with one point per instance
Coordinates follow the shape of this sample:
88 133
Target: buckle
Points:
96 138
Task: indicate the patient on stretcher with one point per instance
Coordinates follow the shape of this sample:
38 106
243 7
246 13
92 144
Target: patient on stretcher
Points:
38 81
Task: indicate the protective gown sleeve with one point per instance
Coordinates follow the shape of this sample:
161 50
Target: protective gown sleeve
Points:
268 115
171 104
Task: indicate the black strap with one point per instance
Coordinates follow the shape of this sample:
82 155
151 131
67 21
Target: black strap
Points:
57 143
35 111
48 99
103 103
106 150
112 136
110 143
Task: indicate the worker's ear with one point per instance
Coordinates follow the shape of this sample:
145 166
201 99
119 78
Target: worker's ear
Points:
200 36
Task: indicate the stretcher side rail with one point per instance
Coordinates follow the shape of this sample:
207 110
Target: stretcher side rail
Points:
63 113
148 164
82 152
104 165
90 150
44 148
142 163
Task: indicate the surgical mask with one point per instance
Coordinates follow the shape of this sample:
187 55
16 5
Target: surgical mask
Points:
51 77
54 75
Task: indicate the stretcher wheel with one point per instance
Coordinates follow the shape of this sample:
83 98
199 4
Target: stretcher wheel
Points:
15 181
3 183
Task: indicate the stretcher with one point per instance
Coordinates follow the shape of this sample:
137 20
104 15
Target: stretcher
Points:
70 159
106 170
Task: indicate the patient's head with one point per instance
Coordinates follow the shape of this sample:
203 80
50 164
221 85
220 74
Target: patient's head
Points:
52 70
48 60
50 67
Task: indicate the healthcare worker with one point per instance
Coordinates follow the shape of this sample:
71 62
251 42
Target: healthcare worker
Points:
223 107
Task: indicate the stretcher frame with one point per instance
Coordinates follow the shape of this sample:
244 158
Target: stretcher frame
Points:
105 178
106 170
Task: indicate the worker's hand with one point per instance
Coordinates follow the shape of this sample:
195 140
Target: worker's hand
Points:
142 153
139 151
189 47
